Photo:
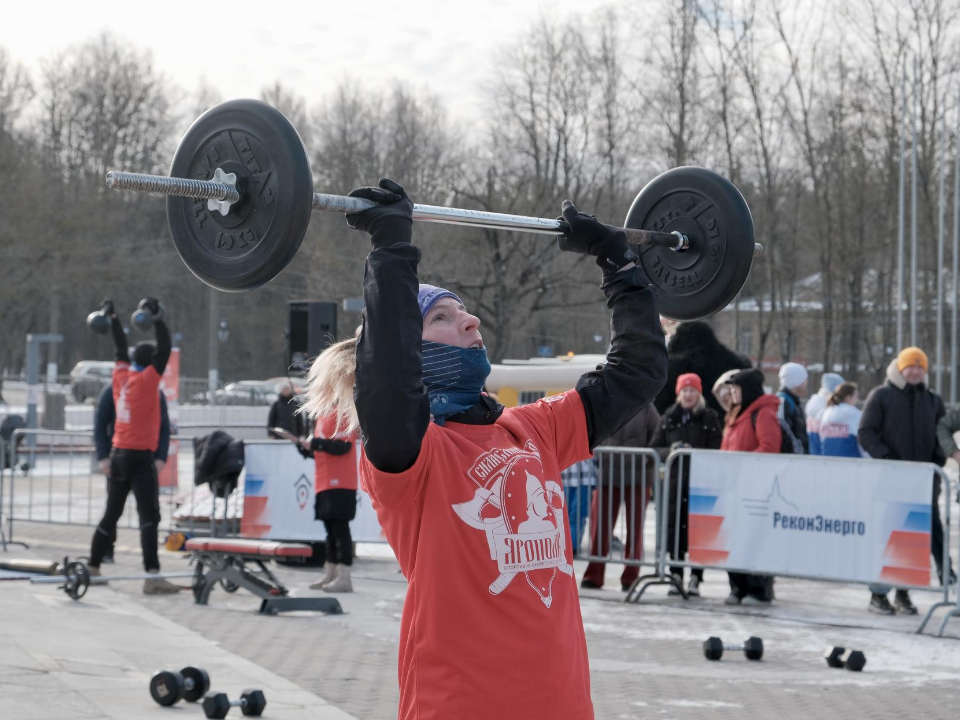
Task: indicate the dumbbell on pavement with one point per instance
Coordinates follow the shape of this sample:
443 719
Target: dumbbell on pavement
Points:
838 657
713 648
169 688
251 702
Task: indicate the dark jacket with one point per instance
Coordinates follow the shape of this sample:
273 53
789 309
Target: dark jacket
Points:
637 432
702 430
106 413
694 348
899 421
791 412
283 414
392 402
218 460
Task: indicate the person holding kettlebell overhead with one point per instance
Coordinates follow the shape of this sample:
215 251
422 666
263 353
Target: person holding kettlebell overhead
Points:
135 437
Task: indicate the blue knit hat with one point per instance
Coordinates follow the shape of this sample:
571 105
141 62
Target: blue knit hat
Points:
427 295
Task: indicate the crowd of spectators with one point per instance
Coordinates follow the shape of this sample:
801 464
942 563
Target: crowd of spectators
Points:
901 419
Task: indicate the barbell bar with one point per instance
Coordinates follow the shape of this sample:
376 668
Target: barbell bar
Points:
240 194
222 195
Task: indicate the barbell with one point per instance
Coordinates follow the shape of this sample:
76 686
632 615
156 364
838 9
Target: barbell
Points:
240 195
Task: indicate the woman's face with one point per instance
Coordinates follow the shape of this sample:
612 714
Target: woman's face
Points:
448 322
689 396
736 395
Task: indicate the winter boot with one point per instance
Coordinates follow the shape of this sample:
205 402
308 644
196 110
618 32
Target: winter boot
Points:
328 578
693 590
880 605
159 586
340 584
93 571
732 599
673 591
902 603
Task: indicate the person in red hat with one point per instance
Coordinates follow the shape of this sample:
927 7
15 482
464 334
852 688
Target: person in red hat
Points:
688 423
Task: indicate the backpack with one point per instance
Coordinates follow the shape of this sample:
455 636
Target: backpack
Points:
788 441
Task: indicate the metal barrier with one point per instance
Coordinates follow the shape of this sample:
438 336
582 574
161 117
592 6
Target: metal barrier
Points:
61 485
627 477
672 527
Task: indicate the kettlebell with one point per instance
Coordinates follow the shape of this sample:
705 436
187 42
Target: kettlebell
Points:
98 322
142 318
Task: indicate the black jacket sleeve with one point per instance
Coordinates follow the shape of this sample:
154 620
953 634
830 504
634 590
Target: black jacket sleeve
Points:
392 402
636 366
871 427
163 446
162 355
102 420
715 432
119 340
659 440
939 456
333 447
272 420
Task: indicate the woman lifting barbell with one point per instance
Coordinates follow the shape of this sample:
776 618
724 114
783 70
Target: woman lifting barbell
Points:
468 493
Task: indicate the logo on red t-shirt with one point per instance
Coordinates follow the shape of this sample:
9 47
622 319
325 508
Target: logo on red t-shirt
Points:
522 516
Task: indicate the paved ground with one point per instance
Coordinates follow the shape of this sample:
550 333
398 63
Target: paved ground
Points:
96 655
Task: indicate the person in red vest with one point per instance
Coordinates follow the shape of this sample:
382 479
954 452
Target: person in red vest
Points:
335 483
133 463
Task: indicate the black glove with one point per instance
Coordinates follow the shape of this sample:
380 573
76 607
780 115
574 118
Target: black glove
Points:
591 237
334 447
304 452
152 304
391 221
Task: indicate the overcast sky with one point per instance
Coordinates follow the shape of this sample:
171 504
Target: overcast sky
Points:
444 45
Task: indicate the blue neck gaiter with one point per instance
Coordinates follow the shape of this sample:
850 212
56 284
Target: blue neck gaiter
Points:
454 378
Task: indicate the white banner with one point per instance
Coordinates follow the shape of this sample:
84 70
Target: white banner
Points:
279 497
836 518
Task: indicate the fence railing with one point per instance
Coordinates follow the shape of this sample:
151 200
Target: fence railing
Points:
56 480
627 478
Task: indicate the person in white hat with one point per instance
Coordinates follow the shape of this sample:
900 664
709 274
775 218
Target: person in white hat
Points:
793 386
817 405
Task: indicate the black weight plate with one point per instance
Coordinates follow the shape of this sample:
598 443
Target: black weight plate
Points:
712 213
258 238
198 685
166 688
76 580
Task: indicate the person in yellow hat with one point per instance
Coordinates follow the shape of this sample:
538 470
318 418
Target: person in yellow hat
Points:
899 422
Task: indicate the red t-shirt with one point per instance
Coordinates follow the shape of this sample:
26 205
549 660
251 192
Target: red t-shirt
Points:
491 623
137 399
334 472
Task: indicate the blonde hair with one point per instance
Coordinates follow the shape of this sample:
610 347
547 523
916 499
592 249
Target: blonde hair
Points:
330 385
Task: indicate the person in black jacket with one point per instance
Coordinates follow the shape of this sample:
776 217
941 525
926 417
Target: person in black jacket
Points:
458 482
899 422
694 348
103 419
793 386
688 423
284 414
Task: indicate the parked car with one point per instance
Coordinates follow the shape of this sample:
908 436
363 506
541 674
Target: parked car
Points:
89 377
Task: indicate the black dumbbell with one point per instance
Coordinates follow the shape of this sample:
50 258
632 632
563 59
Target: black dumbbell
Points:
169 688
143 318
713 648
838 657
217 705
98 322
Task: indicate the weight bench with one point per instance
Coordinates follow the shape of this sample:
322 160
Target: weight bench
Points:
225 560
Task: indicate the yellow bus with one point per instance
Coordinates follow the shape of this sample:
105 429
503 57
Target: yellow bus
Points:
520 382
